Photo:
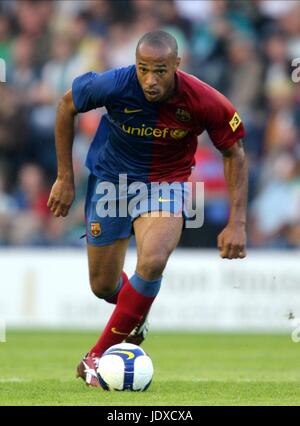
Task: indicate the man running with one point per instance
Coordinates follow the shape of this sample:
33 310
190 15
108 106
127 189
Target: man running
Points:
154 114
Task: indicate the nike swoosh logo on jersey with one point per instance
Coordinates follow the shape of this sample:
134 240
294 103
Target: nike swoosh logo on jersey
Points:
130 111
114 330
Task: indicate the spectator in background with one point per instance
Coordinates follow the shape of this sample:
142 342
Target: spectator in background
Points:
69 230
280 126
195 11
289 23
122 43
90 46
99 17
275 211
22 77
179 27
171 17
29 222
119 41
7 206
59 71
243 74
56 76
5 40
277 65
33 21
12 121
211 38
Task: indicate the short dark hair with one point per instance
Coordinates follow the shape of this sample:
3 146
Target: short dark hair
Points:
159 39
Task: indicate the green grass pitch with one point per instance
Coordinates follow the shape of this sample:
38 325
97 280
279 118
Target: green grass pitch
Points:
37 368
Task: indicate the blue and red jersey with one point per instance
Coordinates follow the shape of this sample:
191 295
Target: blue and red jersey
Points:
152 141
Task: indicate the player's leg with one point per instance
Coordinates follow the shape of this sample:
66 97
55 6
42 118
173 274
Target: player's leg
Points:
107 241
105 268
138 335
156 238
106 280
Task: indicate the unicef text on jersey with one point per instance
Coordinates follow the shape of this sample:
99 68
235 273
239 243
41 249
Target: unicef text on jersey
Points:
132 199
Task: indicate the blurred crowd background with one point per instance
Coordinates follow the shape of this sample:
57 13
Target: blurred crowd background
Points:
243 48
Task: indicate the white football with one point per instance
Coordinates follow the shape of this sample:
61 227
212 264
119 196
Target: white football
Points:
125 367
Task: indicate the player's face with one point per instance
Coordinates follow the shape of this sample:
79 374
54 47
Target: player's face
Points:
156 72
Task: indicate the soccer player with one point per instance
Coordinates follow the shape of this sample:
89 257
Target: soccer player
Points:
154 114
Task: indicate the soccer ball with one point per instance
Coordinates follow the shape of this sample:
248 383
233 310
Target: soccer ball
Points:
125 367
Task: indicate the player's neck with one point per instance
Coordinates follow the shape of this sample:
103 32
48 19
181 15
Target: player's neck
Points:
172 90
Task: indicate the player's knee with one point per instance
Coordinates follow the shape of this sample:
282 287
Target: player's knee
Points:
151 267
101 286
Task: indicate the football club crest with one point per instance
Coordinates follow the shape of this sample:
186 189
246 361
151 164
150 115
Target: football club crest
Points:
95 229
183 115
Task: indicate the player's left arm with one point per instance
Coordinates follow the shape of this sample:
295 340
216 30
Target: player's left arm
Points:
232 240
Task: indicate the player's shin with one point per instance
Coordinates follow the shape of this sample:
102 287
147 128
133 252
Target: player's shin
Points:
113 298
134 301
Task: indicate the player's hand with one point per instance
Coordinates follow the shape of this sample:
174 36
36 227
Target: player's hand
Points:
61 197
232 242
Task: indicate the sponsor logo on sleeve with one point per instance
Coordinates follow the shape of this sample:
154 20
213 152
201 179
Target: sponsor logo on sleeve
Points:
235 121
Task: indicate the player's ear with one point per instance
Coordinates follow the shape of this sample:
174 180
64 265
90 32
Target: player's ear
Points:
178 60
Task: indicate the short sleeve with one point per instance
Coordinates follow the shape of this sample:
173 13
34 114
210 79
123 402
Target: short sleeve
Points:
223 122
92 90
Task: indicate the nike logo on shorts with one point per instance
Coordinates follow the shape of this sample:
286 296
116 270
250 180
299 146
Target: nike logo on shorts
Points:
164 200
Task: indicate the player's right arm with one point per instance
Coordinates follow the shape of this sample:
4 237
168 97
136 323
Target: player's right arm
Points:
89 91
63 191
